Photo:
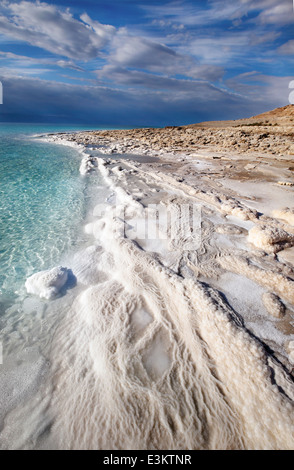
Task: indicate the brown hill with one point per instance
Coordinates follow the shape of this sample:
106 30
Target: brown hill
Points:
283 116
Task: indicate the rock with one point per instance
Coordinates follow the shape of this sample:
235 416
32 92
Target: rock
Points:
285 183
47 284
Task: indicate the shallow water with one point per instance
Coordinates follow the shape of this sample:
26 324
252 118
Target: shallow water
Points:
42 204
44 200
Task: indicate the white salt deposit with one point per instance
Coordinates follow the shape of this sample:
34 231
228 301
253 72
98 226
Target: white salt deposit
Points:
270 239
147 356
47 284
287 256
276 282
286 214
263 196
273 304
88 164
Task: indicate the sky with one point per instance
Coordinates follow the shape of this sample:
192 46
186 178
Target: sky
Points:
139 63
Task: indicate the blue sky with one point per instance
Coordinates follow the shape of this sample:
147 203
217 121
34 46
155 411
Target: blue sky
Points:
144 63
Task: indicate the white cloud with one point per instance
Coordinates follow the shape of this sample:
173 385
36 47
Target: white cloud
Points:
136 78
277 12
35 99
104 31
258 38
69 64
163 76
287 48
132 51
30 99
193 14
219 49
268 89
18 72
196 14
143 54
25 61
49 28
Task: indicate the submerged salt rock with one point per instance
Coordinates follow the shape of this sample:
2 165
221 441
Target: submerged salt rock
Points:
270 239
47 284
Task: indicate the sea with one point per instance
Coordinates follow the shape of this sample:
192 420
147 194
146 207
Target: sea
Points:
44 203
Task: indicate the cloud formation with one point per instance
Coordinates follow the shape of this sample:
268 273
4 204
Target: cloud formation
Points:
186 13
49 28
142 53
287 48
194 102
165 62
26 62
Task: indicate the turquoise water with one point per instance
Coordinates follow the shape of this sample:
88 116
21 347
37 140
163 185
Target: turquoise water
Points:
43 201
44 204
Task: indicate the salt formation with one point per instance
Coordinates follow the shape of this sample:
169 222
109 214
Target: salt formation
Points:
47 284
276 282
149 353
111 392
273 305
151 360
270 239
230 229
286 214
291 351
88 164
238 210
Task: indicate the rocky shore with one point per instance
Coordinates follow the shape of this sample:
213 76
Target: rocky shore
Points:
181 334
241 170
270 133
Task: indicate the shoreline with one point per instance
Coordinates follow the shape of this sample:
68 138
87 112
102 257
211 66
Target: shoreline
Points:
175 340
269 133
248 250
221 185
